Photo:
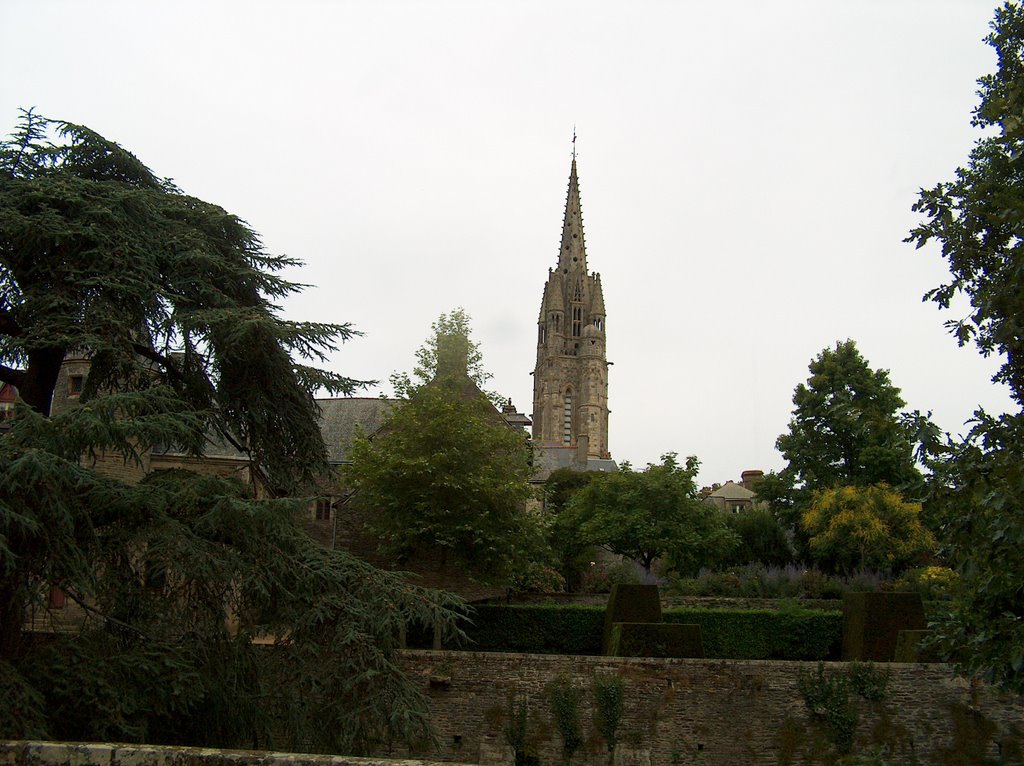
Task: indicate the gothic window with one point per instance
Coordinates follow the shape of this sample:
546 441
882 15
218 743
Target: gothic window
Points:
543 334
577 294
577 321
323 509
599 323
567 419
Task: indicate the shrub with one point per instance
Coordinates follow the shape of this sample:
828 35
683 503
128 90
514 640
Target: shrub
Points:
630 603
791 634
760 634
932 583
565 707
609 704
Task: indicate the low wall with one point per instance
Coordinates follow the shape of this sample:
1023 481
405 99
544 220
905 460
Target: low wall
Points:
105 754
712 712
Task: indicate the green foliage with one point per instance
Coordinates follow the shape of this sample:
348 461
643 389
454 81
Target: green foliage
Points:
645 639
933 583
869 527
172 300
609 704
794 634
449 345
630 603
762 538
564 537
647 514
516 729
540 629
979 482
827 700
565 701
867 680
847 429
446 473
757 634
97 254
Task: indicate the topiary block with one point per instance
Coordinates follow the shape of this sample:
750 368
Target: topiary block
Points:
872 622
630 603
908 647
657 639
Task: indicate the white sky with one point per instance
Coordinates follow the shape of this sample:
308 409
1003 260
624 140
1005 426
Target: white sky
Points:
746 172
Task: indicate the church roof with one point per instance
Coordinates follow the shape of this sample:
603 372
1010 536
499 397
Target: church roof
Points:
549 459
573 252
339 419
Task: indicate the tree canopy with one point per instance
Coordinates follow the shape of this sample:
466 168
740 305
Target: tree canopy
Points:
654 513
847 428
160 289
446 473
209 617
872 527
450 335
977 492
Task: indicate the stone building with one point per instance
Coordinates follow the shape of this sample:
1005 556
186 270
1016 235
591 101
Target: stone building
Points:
570 379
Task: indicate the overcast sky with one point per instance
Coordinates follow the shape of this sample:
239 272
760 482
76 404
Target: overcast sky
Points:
746 173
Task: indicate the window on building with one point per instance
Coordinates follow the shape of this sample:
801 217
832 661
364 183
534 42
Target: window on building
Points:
577 321
75 385
323 509
599 323
6 411
543 336
567 419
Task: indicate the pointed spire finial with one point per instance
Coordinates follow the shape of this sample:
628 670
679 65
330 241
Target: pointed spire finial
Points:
574 142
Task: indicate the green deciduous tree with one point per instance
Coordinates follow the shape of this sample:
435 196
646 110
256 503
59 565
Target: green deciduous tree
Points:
870 527
563 527
430 357
654 513
978 487
762 538
445 472
847 429
846 426
171 298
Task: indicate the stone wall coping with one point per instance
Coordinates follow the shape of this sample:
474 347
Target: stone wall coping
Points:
37 753
451 655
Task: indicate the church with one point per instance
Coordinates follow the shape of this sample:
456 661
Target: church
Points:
570 379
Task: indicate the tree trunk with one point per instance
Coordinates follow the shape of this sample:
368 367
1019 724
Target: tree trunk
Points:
41 378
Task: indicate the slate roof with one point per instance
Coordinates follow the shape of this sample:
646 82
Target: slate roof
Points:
548 459
732 491
339 419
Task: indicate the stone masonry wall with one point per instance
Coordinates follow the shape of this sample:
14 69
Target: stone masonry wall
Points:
712 712
105 754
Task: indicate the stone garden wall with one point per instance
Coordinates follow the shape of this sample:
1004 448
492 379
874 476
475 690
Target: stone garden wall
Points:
713 712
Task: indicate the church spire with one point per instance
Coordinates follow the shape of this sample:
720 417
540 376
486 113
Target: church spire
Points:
572 254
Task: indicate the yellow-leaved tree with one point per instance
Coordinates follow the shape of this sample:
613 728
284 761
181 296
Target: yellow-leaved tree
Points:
871 527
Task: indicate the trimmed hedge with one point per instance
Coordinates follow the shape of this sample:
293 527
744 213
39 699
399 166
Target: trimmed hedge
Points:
761 634
655 639
727 633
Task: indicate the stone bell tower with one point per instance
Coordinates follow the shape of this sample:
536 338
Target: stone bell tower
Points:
570 381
